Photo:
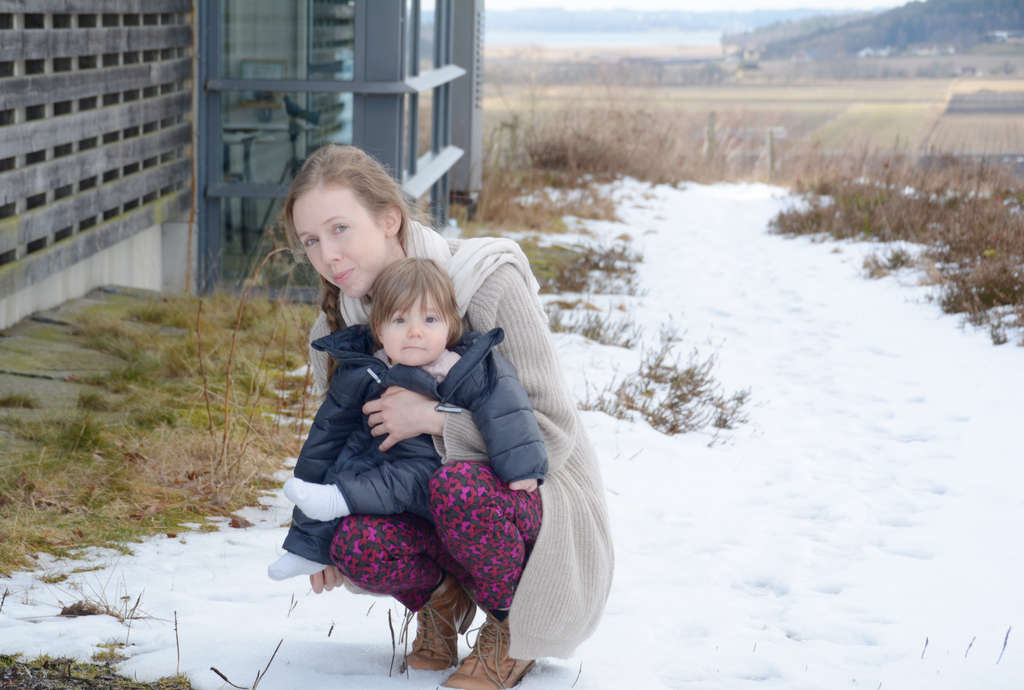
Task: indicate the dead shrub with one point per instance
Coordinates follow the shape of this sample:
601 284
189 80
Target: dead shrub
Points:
975 290
674 396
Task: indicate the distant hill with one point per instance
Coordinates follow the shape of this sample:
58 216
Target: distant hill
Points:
791 30
560 20
961 24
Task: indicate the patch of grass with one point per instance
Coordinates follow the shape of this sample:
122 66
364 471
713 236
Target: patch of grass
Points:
524 200
54 578
575 268
19 400
881 264
167 438
94 402
675 396
110 653
152 417
59 673
162 312
600 327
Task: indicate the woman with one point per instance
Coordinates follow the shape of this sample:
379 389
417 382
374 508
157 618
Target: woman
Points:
351 220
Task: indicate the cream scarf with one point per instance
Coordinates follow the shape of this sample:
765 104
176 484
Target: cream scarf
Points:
472 263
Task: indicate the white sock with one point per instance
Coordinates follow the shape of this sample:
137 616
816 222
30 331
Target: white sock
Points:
319 501
290 565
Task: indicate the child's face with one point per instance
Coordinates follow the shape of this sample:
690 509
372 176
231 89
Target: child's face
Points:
416 336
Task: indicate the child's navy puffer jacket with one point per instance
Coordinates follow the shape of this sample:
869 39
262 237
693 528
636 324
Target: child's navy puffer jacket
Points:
340 449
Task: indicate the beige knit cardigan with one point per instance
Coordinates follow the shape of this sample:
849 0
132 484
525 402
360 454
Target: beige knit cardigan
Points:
563 590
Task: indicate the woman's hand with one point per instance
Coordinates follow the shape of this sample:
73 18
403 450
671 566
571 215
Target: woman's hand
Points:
328 578
527 485
400 414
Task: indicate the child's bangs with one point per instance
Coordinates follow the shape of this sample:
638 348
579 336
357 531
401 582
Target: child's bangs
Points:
420 293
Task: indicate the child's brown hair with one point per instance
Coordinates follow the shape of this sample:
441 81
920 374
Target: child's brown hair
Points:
405 281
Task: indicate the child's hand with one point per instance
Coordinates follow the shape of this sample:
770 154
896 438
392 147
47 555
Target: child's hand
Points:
326 580
527 485
400 414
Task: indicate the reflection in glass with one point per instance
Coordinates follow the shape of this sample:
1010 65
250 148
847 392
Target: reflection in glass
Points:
245 245
268 145
426 56
267 135
309 39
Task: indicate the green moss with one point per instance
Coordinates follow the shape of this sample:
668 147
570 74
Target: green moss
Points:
49 673
109 653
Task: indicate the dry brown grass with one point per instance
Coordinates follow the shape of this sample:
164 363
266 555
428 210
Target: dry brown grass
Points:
567 145
984 134
544 166
547 160
169 437
541 134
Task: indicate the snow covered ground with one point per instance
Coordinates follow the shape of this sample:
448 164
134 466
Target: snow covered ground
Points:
861 531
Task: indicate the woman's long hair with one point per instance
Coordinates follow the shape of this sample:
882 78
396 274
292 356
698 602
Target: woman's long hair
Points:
350 168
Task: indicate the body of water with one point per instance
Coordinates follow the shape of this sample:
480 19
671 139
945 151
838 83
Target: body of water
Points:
602 38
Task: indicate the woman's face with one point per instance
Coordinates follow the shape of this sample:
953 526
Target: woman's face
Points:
346 244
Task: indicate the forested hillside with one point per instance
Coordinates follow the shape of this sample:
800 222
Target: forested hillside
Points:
961 24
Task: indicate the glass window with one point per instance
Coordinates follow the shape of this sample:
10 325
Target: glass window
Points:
332 47
267 136
428 13
249 231
268 39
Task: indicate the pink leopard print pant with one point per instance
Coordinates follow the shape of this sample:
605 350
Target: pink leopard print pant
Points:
482 534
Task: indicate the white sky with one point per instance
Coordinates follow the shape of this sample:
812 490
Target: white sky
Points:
694 5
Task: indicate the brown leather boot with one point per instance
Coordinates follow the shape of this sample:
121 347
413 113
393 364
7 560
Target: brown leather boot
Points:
488 666
448 612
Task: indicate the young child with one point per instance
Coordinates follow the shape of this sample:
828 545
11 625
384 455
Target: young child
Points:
341 469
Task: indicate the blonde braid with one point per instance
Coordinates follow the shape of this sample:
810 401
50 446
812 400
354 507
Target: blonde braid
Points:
329 305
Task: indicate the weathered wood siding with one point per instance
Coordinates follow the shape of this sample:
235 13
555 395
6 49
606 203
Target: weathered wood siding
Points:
95 127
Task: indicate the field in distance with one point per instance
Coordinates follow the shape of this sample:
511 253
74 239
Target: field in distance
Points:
909 114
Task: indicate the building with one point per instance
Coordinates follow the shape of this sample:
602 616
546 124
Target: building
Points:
148 142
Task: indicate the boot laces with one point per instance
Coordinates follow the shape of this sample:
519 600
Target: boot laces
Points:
491 649
431 633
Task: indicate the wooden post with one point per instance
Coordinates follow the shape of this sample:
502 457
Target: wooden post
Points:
770 143
709 138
